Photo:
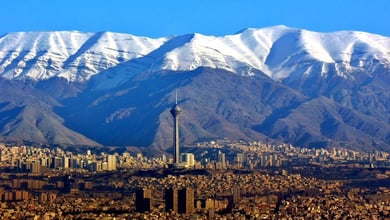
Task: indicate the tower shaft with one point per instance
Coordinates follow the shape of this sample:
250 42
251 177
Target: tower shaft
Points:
176 147
176 111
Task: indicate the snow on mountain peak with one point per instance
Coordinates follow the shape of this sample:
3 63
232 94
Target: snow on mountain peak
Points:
72 55
278 51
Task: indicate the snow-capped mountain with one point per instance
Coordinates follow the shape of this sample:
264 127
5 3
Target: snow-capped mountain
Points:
73 55
279 52
273 84
277 49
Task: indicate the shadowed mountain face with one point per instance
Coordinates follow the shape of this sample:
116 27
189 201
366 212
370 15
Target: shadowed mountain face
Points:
215 103
26 114
367 92
274 85
218 104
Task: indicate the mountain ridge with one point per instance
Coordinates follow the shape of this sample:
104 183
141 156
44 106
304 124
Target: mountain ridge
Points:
254 48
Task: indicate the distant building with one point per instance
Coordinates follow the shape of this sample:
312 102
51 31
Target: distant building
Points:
67 183
171 200
186 200
44 162
95 166
221 160
240 159
65 162
143 200
111 162
19 195
188 159
57 162
236 194
36 167
164 158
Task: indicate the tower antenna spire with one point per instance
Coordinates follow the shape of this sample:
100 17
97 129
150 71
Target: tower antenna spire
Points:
176 96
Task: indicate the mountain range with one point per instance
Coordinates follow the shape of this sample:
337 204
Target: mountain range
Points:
275 84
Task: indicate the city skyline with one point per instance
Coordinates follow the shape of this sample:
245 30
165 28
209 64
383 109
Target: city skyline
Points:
281 179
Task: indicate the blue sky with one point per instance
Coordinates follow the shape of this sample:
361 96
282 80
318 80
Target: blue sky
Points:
155 18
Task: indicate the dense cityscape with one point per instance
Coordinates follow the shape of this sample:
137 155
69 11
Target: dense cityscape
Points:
222 179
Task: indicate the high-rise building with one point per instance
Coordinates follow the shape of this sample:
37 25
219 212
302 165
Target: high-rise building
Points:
180 201
240 159
36 167
221 159
67 183
164 158
186 201
176 112
65 162
171 200
188 159
236 195
57 162
143 200
111 162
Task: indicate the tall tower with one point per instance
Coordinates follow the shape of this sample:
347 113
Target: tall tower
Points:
176 111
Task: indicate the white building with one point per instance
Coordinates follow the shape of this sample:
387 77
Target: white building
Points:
188 159
111 162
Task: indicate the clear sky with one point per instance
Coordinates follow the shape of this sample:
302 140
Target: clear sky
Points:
155 18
